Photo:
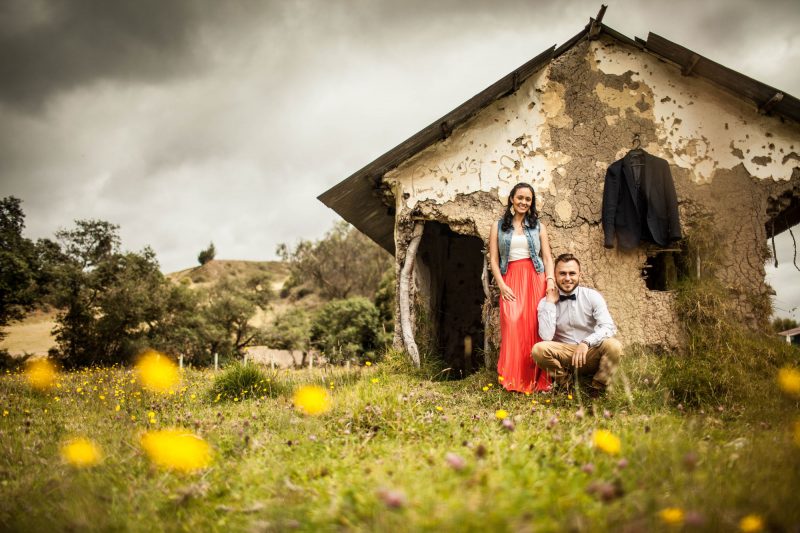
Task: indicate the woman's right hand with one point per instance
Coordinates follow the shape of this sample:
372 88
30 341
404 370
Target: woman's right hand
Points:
507 294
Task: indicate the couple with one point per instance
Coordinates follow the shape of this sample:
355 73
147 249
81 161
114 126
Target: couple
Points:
550 326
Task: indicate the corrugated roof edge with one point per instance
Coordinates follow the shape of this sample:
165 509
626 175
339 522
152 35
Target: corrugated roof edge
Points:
358 198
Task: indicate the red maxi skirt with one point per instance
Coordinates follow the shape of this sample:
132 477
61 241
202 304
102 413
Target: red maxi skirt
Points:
519 329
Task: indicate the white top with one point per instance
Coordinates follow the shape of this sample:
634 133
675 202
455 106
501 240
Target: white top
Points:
519 248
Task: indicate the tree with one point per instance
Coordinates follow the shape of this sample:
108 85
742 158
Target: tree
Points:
109 300
19 275
290 330
783 324
344 263
345 329
207 255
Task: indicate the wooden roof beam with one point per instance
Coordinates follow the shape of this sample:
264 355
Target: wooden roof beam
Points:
767 107
689 67
596 24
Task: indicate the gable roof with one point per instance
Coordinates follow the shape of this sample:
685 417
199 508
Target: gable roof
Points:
358 198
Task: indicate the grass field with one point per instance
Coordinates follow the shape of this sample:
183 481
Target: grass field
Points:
399 452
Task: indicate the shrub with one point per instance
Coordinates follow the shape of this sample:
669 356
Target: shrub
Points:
289 331
246 381
345 329
724 360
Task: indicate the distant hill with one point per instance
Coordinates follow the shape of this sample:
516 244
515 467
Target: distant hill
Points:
33 333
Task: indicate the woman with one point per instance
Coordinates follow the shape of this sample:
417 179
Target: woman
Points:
522 265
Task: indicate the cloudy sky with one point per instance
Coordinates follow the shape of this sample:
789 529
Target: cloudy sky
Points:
188 121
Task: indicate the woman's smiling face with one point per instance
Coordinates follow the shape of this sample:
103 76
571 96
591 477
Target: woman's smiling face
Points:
522 200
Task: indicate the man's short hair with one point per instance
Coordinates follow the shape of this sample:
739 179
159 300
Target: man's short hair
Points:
566 258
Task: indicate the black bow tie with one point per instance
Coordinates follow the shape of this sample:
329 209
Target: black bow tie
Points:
562 297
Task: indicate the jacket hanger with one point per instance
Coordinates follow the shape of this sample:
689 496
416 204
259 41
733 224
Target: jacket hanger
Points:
636 152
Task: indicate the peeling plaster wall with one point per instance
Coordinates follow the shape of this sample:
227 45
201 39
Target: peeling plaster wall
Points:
698 127
564 127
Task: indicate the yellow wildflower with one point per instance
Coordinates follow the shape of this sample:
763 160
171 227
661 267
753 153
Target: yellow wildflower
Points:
312 400
501 379
41 374
789 380
81 453
485 389
672 516
439 408
5 412
606 441
117 408
751 523
157 372
375 380
368 363
501 414
176 449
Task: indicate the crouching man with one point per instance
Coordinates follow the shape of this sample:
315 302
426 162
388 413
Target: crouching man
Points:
576 330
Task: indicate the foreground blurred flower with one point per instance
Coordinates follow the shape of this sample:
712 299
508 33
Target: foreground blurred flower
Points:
501 414
751 523
81 453
41 374
312 400
455 461
157 372
606 441
672 516
789 380
176 449
392 498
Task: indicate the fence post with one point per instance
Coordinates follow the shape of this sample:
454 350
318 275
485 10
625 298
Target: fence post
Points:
216 361
180 361
272 360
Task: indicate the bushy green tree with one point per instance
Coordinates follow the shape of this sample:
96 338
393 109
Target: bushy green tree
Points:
19 266
290 330
109 299
348 329
344 263
783 324
207 255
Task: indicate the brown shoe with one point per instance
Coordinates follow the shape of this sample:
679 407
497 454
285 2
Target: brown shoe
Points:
596 389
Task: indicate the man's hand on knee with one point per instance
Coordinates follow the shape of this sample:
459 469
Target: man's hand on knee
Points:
579 357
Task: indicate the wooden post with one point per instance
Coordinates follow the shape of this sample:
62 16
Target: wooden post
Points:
180 361
272 360
216 361
487 309
405 297
245 357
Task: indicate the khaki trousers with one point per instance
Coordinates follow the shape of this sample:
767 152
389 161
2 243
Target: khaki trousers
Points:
556 359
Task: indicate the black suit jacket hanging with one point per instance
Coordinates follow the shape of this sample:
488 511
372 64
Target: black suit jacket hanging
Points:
640 209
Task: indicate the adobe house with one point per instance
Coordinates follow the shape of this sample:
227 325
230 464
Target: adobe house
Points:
558 122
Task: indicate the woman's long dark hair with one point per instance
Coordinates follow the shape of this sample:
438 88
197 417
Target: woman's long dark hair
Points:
508 215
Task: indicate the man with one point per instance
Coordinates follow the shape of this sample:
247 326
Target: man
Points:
576 330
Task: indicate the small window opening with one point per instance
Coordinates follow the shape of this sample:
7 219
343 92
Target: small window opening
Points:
664 268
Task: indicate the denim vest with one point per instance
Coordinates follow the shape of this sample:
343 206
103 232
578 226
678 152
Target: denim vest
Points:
504 244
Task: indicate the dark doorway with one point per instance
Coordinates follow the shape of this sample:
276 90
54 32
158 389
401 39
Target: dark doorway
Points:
450 267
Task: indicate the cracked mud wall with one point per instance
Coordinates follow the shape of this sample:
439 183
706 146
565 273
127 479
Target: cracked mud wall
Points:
561 130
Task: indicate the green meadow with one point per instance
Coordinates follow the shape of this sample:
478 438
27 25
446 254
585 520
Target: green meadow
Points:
401 450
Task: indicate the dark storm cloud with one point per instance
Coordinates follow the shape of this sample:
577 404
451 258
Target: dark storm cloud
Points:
50 46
